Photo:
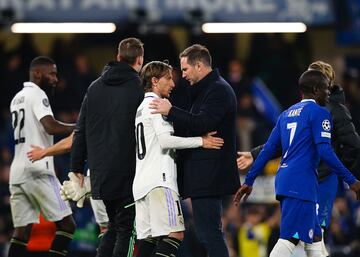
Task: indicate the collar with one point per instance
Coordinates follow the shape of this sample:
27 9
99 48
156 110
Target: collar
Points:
151 94
205 82
30 84
308 100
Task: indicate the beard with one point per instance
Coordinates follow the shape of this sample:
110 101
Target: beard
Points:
48 88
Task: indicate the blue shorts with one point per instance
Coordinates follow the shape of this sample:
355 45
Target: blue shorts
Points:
326 197
299 220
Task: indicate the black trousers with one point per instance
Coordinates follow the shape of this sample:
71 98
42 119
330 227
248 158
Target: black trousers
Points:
118 240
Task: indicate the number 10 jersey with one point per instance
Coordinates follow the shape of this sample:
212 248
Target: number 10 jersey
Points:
27 108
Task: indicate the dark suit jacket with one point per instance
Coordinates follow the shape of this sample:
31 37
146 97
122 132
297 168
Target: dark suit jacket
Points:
213 108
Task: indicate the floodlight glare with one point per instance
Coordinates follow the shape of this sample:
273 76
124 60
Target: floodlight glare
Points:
254 27
64 27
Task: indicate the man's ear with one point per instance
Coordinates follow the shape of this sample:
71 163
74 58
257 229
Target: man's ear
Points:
140 60
315 90
154 81
118 58
199 65
36 73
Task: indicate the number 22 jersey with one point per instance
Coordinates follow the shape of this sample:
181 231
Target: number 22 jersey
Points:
27 108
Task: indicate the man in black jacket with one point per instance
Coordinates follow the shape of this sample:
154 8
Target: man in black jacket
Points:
105 137
208 175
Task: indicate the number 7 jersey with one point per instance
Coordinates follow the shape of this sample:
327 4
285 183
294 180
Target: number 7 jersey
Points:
300 129
27 108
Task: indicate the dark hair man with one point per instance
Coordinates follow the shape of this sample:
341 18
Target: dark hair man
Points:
208 175
34 187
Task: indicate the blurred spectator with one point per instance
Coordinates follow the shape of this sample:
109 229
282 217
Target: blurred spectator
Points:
351 85
342 229
15 75
245 122
81 79
254 233
237 78
5 213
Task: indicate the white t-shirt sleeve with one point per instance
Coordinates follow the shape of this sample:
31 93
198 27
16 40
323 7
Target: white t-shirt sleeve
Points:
168 141
164 130
41 105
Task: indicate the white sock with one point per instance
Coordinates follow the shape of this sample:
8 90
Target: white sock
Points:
324 250
314 249
283 248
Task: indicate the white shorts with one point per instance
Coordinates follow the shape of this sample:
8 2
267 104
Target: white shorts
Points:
100 214
158 214
38 195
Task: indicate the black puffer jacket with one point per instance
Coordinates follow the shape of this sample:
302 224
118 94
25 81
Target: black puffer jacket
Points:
105 133
345 140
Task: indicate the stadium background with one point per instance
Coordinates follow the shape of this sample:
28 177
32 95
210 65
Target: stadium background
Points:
262 68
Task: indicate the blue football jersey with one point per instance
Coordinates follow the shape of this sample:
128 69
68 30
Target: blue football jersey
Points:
298 130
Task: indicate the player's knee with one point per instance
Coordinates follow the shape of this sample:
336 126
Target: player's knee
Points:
67 224
178 235
23 233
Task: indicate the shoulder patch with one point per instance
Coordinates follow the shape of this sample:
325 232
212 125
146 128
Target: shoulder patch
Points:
326 125
45 102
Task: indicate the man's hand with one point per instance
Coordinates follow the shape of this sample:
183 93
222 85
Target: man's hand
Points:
244 161
161 106
210 142
37 153
245 191
76 188
356 188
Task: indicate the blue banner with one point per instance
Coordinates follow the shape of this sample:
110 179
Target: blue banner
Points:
265 102
169 11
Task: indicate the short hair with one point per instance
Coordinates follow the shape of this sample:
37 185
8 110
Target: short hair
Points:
41 61
197 53
129 49
325 68
152 69
311 79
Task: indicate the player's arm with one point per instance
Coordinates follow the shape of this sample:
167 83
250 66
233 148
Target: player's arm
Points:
327 154
55 127
321 130
246 159
61 147
265 155
168 141
163 130
78 150
208 119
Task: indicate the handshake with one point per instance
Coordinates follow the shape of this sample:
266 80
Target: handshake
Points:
72 189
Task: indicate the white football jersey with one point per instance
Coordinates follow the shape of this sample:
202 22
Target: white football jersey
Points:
27 108
155 166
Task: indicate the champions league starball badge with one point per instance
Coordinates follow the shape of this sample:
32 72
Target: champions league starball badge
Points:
46 102
326 125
